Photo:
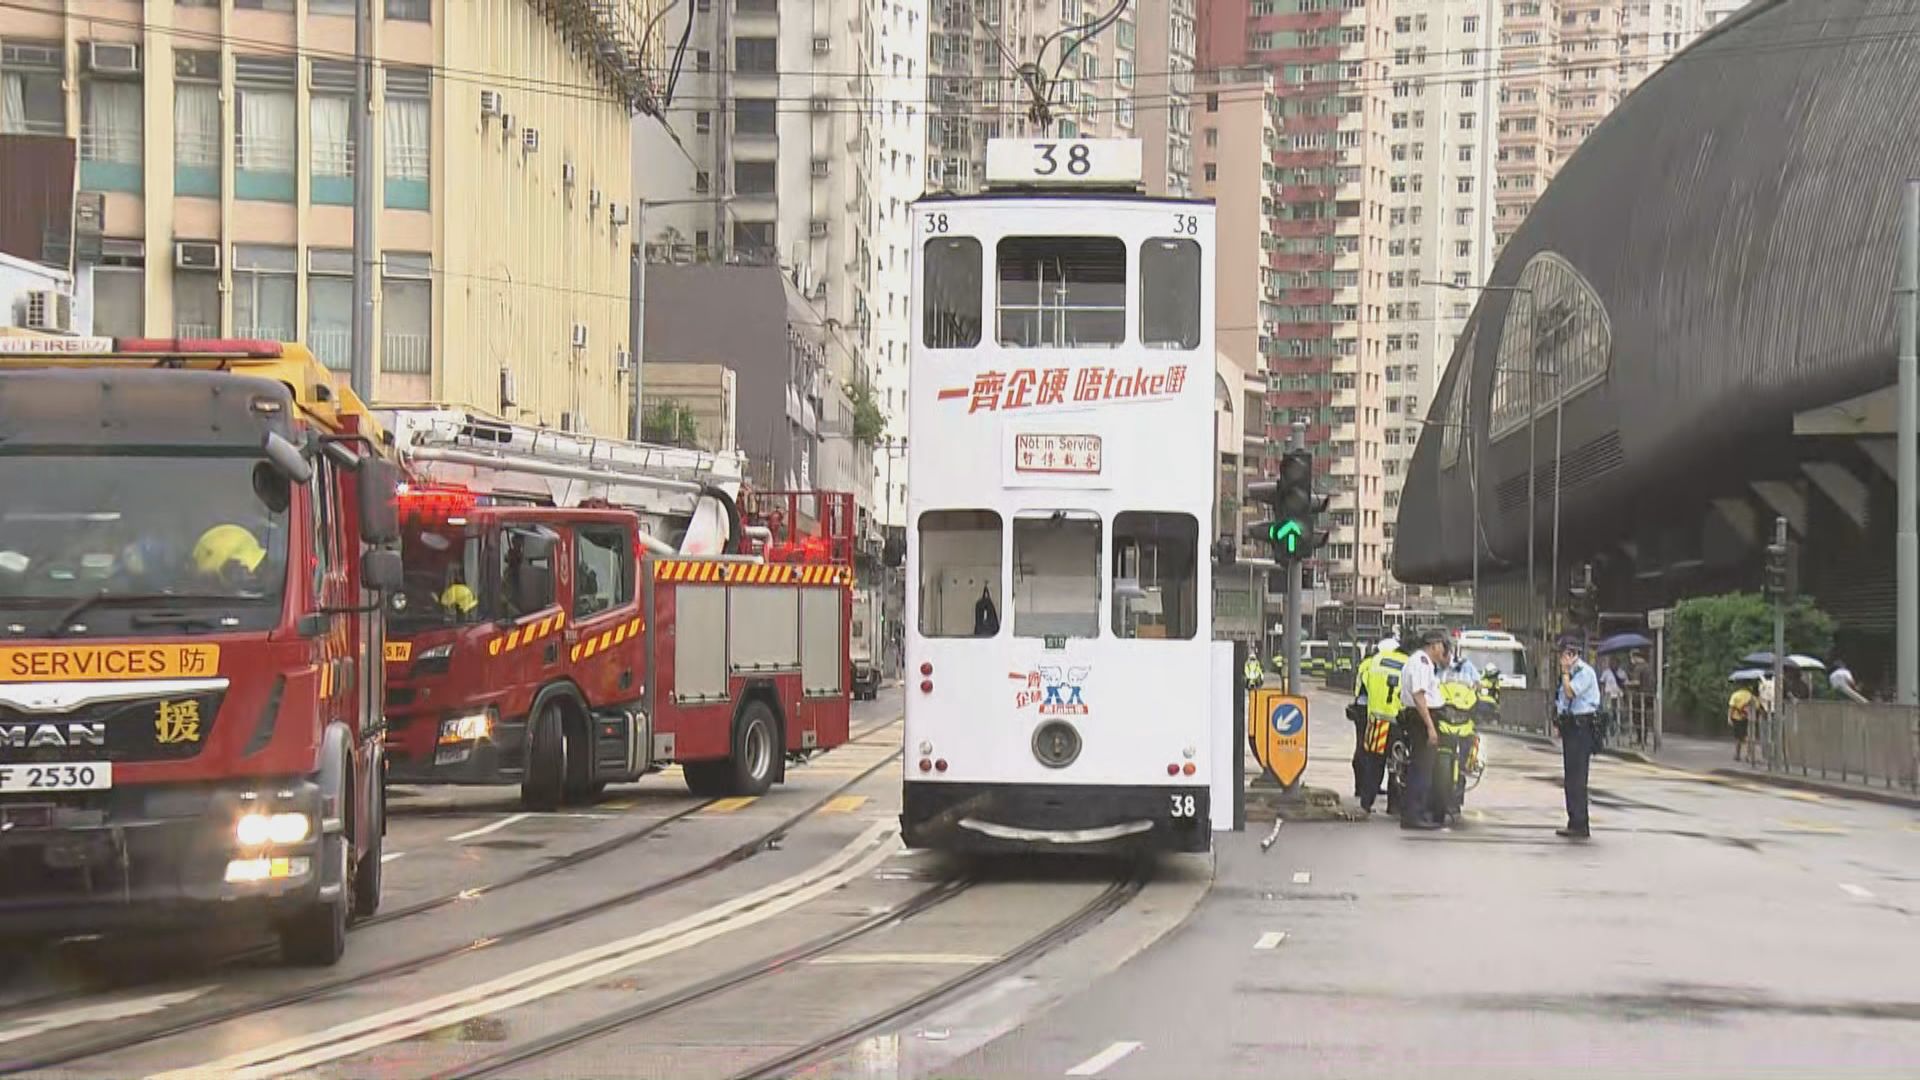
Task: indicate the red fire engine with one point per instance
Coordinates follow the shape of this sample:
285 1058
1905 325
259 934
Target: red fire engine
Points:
192 552
550 635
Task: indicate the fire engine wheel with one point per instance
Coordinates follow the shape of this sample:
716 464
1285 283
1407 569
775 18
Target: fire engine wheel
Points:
755 760
317 935
546 779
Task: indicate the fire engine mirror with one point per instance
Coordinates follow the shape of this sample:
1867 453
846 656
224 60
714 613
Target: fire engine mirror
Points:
380 571
379 508
287 458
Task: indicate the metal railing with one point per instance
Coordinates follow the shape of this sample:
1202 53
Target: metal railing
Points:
406 354
1872 744
116 145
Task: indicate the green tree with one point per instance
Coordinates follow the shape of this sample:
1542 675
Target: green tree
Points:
1707 636
869 422
670 423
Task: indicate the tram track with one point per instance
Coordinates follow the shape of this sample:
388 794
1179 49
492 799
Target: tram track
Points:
209 1018
1115 896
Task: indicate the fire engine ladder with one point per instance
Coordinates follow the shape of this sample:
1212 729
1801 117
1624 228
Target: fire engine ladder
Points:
428 435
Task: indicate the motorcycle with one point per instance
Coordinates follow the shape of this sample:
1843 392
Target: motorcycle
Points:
1459 761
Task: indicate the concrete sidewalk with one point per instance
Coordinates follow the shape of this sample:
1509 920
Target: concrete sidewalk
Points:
1715 757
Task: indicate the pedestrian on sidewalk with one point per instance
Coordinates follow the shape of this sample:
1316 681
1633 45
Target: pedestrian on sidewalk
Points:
1741 707
1576 710
1419 696
1841 679
1612 694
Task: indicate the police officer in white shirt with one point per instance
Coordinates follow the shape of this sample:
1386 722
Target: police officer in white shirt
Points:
1419 696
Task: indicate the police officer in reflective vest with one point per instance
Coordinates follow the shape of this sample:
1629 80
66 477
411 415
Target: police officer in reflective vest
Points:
1379 679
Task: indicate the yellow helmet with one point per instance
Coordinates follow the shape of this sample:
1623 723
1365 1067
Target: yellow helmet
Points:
460 598
225 544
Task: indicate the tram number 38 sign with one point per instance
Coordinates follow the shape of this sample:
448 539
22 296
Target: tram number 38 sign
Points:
1277 726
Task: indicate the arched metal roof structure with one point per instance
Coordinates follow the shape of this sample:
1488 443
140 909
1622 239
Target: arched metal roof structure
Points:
1716 257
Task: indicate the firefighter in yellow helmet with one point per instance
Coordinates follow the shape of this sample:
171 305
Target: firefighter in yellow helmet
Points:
458 598
230 553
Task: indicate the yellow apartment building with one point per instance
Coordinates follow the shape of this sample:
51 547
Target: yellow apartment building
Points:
218 134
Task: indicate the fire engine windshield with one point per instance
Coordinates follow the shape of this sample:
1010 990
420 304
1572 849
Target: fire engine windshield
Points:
123 544
444 585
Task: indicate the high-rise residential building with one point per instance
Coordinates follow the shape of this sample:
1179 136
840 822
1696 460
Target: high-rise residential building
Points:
1325 352
1715 12
1563 68
218 140
1236 135
1131 79
1443 130
795 137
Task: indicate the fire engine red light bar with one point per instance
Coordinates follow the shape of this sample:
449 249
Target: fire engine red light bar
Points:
250 348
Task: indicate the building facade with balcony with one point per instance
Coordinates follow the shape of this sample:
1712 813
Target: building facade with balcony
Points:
1324 352
1132 79
219 138
793 139
1564 66
1444 127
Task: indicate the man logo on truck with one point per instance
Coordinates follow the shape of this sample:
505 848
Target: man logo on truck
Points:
34 736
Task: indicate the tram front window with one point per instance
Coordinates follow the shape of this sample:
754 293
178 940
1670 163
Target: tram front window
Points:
1056 574
950 281
1062 291
1155 576
959 573
1170 294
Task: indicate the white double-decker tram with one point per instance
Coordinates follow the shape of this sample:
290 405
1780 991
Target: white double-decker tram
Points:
1059 600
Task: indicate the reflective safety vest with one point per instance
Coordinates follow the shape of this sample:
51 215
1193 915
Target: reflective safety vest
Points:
1253 672
1382 682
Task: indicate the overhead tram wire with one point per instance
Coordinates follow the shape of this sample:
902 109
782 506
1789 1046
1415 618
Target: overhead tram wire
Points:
585 92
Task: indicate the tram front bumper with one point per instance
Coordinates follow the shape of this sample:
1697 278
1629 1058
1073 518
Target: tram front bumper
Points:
1073 818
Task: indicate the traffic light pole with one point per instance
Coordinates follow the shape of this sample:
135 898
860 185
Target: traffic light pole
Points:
1291 629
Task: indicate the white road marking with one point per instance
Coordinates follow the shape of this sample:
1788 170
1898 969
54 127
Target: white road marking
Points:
1099 1062
852 862
1302 877
392 855
1271 939
928 959
97 1014
1855 891
483 830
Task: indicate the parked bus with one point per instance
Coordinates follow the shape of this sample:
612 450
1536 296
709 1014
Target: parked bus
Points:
1059 619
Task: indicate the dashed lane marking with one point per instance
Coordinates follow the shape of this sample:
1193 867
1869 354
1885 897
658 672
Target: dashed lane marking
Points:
392 855
844 804
1855 891
1302 877
473 834
1104 1060
1796 825
1270 940
728 806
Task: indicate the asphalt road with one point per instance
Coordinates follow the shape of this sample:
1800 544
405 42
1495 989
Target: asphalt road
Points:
1710 928
1713 927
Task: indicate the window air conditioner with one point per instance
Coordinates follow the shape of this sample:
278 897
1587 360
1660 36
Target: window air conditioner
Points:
113 58
48 310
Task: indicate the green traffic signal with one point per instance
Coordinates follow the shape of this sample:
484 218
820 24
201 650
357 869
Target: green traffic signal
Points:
1286 534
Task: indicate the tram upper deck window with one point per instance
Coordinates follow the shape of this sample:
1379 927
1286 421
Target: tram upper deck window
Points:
1170 294
1062 291
1056 574
952 284
1156 575
960 573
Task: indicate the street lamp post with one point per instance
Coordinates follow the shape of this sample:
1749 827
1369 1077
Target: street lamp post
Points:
1535 614
637 298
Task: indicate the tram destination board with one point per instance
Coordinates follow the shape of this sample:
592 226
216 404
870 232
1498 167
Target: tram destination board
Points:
1063 162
